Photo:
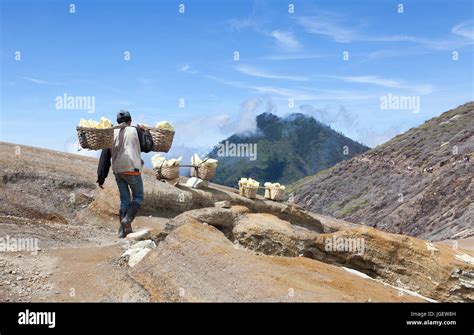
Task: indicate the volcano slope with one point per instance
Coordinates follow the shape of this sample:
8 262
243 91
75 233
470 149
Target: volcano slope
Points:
420 183
252 250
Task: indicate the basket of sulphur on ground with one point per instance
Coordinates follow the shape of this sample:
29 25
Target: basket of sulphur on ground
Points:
203 169
274 191
248 187
95 135
163 135
165 169
168 172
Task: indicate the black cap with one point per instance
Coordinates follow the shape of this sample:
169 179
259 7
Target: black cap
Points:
123 116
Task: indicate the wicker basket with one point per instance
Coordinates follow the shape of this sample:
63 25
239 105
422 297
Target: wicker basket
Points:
248 192
274 194
203 172
162 139
95 139
169 172
278 195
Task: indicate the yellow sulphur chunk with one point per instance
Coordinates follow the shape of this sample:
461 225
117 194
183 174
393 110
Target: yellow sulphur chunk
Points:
165 125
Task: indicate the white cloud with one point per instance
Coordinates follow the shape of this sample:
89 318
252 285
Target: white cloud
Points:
327 27
39 81
254 72
201 131
247 122
464 29
72 146
284 92
233 83
331 116
243 23
391 83
391 53
286 40
332 26
292 57
184 68
252 21
351 124
303 93
205 131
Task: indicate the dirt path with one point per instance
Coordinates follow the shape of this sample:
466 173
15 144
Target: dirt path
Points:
75 262
88 274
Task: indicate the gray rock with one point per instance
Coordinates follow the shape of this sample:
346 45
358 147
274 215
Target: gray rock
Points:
218 217
139 235
223 204
195 182
138 251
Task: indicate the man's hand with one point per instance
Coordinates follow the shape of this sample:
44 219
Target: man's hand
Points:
100 182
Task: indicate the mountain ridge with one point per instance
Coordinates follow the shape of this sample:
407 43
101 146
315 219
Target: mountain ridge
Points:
419 183
288 148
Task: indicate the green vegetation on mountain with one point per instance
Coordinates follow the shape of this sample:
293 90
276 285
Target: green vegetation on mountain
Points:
287 149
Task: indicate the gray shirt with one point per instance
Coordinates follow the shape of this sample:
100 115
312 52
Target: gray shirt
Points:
126 151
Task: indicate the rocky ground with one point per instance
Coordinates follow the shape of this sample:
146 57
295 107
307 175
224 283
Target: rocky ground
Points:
188 248
420 183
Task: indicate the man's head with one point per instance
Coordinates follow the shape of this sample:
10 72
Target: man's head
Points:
124 116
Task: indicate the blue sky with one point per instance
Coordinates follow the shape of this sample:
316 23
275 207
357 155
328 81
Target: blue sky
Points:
282 56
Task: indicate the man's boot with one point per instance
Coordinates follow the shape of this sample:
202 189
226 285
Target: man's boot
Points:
121 233
129 216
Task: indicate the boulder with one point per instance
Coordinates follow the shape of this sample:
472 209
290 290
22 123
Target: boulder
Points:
222 204
196 183
218 217
197 262
140 235
138 251
238 210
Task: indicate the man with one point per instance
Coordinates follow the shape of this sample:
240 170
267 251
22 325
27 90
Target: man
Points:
127 166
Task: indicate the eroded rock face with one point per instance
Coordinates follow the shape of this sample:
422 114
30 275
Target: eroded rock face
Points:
435 271
218 217
197 262
407 262
268 234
